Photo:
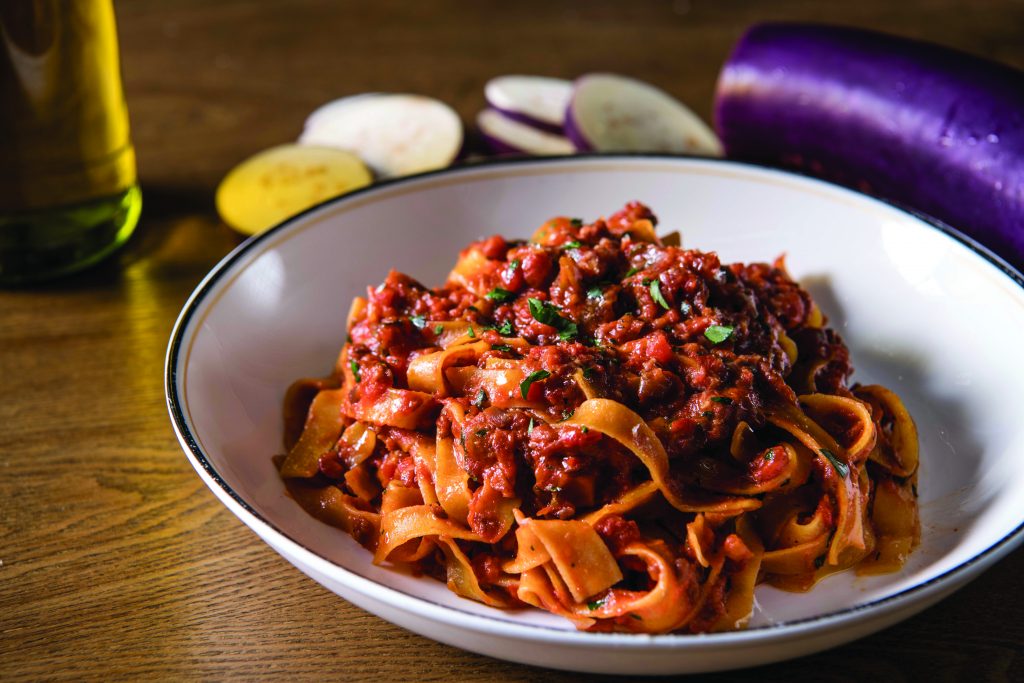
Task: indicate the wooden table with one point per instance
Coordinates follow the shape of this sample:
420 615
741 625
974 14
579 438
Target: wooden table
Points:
117 562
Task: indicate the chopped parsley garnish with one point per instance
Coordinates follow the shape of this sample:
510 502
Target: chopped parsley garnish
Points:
841 467
566 414
504 329
594 292
708 414
420 321
594 605
500 295
438 329
535 376
656 295
354 366
481 432
717 334
576 222
636 616
480 398
471 332
588 372
501 347
575 244
685 308
724 400
549 314
585 429
631 272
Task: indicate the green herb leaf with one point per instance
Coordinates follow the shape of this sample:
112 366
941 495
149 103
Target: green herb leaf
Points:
656 295
481 432
594 605
471 332
566 414
595 292
419 321
501 347
685 308
535 376
438 329
504 329
708 414
549 314
354 366
512 268
585 429
529 430
636 616
575 244
480 398
631 272
498 294
576 222
544 312
841 467
717 334
588 372
724 400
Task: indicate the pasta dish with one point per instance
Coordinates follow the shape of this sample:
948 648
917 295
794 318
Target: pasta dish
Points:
602 424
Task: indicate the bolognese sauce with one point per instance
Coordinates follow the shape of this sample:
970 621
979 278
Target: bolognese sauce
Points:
604 424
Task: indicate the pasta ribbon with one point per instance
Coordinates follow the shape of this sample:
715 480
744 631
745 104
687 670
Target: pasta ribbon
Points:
897 447
415 522
615 420
400 408
583 561
461 578
321 433
426 372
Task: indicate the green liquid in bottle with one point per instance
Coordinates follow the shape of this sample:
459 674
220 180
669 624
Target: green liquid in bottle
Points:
68 192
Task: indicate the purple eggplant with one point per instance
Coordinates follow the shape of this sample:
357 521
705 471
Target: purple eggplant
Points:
921 125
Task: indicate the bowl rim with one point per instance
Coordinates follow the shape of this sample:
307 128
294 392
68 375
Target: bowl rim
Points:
451 615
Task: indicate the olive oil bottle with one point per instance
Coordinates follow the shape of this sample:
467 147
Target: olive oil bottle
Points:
68 192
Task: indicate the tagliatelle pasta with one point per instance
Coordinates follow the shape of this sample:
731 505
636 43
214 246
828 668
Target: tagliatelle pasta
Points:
604 425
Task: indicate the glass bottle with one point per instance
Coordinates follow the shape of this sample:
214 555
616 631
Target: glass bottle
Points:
68 191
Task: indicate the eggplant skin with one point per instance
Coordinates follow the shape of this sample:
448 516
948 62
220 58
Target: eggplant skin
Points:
923 126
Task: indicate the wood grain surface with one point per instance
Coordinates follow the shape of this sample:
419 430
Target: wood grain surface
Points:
117 563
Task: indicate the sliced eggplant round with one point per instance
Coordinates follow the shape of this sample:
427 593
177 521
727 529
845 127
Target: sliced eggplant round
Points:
537 101
503 135
282 181
395 135
612 113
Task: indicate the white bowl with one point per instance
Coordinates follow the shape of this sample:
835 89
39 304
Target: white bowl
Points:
924 310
